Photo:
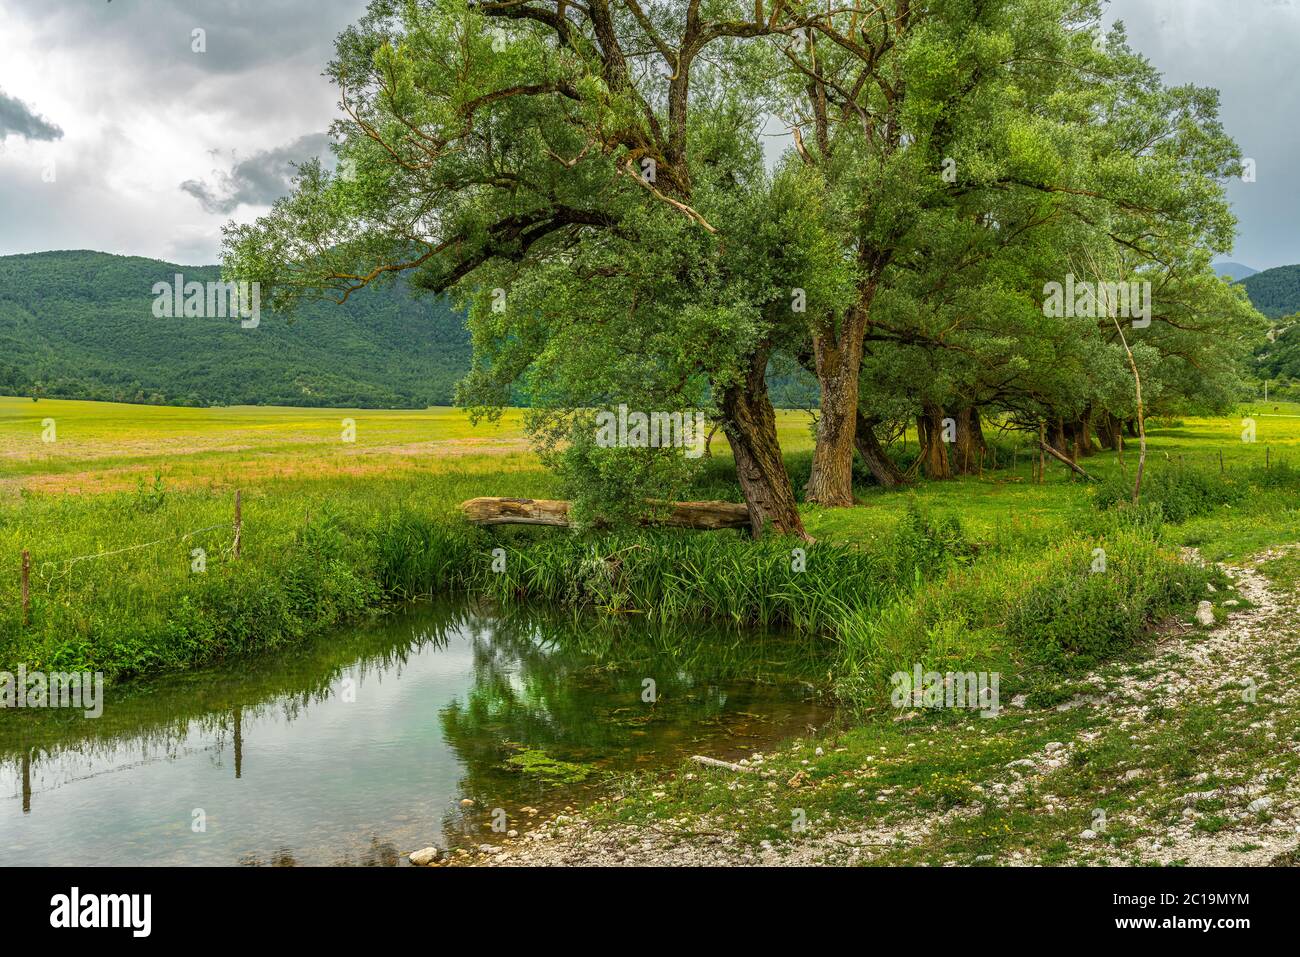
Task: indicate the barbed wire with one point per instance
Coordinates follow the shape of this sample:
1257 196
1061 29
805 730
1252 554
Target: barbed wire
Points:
66 569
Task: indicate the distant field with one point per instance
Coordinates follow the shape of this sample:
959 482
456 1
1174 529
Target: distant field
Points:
102 447
105 446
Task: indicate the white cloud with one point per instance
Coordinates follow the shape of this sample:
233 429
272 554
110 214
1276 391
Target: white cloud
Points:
140 113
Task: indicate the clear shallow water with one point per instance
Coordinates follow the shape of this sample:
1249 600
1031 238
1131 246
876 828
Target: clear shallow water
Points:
360 748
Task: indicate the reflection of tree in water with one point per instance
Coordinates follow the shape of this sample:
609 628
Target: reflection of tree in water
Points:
573 689
569 688
156 719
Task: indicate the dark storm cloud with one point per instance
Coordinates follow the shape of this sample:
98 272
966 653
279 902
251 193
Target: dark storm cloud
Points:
18 118
259 180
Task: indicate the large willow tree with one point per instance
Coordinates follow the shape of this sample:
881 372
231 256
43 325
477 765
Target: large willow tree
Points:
589 178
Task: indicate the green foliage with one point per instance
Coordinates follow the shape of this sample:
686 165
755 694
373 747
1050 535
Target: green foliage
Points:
926 547
1280 475
1076 611
1274 292
1178 493
1279 360
666 575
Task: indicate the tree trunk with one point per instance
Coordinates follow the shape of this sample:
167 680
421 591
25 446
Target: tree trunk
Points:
970 447
1109 433
934 451
1056 435
749 422
1086 444
878 462
1078 436
708 442
838 367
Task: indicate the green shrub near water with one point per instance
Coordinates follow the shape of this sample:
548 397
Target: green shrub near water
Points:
667 575
1092 600
915 596
338 561
1022 614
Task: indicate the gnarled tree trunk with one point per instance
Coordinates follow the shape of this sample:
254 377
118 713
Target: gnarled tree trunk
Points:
934 451
1078 434
969 448
1056 436
750 425
874 456
706 516
838 367
1109 433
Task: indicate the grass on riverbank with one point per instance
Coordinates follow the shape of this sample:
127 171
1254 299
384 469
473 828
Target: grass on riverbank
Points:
116 507
1160 774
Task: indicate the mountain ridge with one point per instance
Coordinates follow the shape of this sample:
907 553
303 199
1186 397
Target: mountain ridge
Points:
1274 292
80 324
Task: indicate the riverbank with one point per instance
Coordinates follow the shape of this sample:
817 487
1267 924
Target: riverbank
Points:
1181 754
1043 585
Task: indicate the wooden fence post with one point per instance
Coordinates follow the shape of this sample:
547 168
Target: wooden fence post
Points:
239 521
27 568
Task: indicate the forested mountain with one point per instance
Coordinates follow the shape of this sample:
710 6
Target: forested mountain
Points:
1275 292
80 324
1234 270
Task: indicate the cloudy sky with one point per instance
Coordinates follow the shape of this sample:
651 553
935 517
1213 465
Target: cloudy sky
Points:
116 135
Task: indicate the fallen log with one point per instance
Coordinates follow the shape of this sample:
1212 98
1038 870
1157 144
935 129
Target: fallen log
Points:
705 516
1065 460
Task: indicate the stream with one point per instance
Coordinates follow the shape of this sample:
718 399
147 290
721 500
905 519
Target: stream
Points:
445 725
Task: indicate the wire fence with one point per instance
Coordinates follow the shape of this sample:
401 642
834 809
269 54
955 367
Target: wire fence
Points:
51 572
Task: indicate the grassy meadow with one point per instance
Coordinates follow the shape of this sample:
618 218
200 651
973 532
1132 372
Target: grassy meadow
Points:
127 512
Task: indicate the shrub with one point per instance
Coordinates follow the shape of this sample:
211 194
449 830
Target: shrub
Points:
1091 601
1180 493
923 547
1282 475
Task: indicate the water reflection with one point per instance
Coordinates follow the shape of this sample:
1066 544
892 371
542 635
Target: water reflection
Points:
357 749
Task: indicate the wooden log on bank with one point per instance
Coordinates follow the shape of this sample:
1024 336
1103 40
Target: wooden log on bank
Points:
705 516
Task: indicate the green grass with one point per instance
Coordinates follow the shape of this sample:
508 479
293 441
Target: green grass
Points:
113 510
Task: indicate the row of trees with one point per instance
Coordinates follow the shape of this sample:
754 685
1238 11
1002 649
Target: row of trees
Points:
591 179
